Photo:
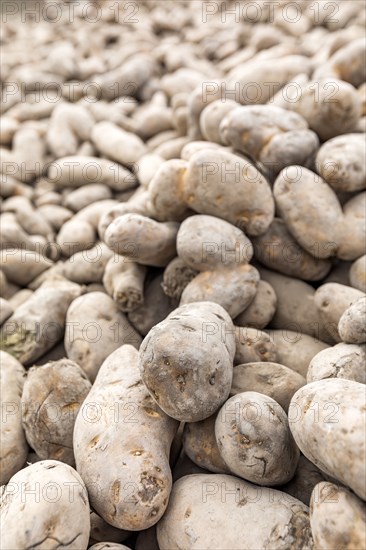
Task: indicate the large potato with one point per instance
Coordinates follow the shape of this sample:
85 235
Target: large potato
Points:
121 444
51 499
327 419
341 361
337 518
254 439
52 396
241 516
14 448
176 361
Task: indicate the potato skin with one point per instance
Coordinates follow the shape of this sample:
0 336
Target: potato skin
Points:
14 447
341 361
261 309
254 439
272 379
337 518
357 274
253 345
176 361
53 502
52 396
352 324
326 417
229 504
130 493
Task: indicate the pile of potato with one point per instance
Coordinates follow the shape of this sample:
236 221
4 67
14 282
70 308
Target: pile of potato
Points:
183 275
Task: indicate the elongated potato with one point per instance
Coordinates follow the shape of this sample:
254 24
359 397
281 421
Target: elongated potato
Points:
165 191
261 309
336 507
54 506
95 328
352 324
326 417
200 445
272 379
117 144
87 266
233 288
131 493
229 504
176 366
254 439
39 323
14 448
52 396
253 345
341 361
124 281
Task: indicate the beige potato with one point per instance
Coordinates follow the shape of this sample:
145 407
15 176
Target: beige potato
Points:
78 199
117 144
348 62
155 308
337 518
306 477
14 447
52 396
39 323
206 243
165 191
272 379
261 309
68 126
54 506
221 184
326 417
75 236
211 117
147 166
55 215
352 324
357 274
82 170
177 275
6 310
200 445
176 366
12 235
276 249
253 345
229 504
109 546
295 350
124 280
87 266
352 245
131 493
341 162
233 288
311 211
29 218
254 439
20 297
95 328
28 154
146 241
332 300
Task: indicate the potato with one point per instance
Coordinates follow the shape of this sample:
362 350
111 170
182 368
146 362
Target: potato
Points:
311 211
6 310
69 124
306 477
39 323
13 236
28 217
277 250
270 135
165 191
146 241
272 379
53 502
332 300
176 277
221 184
155 308
95 328
253 345
347 63
55 214
341 361
233 288
20 297
117 144
352 245
75 236
337 518
131 493
341 162
124 281
52 396
357 274
326 417
176 366
108 546
211 117
81 170
261 309
206 243
229 505
352 324
78 199
200 445
14 448
254 439
147 167
87 266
